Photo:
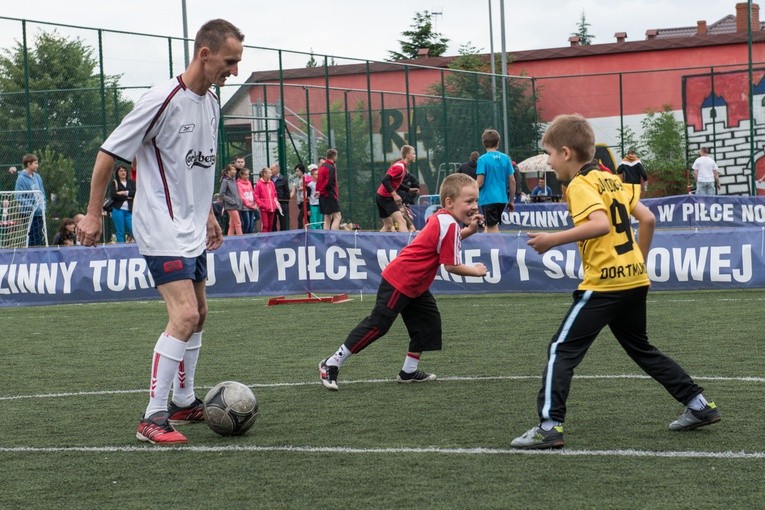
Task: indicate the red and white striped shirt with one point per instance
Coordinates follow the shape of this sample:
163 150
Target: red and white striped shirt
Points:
397 171
414 269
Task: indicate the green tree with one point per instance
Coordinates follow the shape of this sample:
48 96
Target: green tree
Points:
628 139
63 109
312 61
61 186
663 141
583 31
419 37
463 106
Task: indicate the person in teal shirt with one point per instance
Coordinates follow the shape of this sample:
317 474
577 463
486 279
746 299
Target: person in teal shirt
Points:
496 182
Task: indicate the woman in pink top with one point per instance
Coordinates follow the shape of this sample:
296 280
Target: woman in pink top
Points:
265 198
247 195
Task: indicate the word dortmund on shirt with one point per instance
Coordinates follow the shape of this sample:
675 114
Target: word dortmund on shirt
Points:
613 272
609 185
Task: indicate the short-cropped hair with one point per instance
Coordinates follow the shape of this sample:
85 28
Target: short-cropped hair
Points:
28 158
490 139
214 33
453 184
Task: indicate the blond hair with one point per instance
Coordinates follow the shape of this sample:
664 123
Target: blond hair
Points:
572 131
453 184
406 150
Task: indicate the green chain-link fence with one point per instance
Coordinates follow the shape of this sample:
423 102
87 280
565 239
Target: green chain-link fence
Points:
60 105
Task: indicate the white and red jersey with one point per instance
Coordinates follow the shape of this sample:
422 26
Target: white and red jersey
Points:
397 171
414 269
172 134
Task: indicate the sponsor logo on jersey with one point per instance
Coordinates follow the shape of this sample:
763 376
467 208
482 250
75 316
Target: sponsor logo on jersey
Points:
196 158
186 128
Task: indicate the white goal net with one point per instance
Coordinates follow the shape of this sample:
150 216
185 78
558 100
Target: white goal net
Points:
17 210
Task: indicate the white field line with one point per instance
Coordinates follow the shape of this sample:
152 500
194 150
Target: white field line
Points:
378 381
383 451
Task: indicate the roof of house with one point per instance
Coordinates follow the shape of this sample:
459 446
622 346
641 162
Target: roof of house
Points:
721 32
726 25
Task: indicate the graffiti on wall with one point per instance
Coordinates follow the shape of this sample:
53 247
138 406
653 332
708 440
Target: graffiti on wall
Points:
716 110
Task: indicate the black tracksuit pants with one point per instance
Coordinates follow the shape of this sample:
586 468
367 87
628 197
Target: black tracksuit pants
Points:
624 312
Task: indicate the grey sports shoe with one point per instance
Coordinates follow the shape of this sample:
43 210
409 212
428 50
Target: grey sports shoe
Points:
538 439
416 376
691 419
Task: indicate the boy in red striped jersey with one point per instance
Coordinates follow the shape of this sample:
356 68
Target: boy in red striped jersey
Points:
388 200
407 278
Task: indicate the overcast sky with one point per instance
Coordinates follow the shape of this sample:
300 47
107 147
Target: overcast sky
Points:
345 28
368 29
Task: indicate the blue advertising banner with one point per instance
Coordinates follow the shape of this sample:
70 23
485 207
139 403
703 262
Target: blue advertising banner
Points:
680 211
323 262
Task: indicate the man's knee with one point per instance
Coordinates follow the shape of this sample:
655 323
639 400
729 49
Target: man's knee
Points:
202 314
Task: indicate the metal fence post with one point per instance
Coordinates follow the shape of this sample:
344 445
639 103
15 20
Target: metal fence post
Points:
371 125
102 82
27 97
170 54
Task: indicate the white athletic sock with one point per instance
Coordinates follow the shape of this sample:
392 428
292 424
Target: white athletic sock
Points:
410 362
183 384
337 359
547 425
697 403
168 353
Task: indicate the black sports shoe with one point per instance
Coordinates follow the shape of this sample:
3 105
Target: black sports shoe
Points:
328 374
193 413
538 439
691 419
416 376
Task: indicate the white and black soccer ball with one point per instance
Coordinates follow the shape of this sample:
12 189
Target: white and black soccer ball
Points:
230 408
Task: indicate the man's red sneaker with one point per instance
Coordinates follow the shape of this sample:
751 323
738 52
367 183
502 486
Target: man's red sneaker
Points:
156 429
194 413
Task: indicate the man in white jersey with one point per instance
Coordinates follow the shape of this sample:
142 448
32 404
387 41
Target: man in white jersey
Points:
172 133
706 173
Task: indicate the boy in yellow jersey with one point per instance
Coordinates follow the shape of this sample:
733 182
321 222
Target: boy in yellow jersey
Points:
613 292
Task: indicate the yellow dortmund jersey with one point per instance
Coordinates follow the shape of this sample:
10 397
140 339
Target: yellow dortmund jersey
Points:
611 262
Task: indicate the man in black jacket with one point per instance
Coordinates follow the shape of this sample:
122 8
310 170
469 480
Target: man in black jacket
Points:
281 221
470 167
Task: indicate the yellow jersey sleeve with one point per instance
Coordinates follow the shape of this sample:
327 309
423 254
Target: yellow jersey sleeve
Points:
613 261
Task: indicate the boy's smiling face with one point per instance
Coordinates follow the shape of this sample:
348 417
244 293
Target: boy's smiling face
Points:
464 205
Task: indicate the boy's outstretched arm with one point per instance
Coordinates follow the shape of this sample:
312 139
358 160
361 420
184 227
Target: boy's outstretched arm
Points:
647 222
597 225
466 270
